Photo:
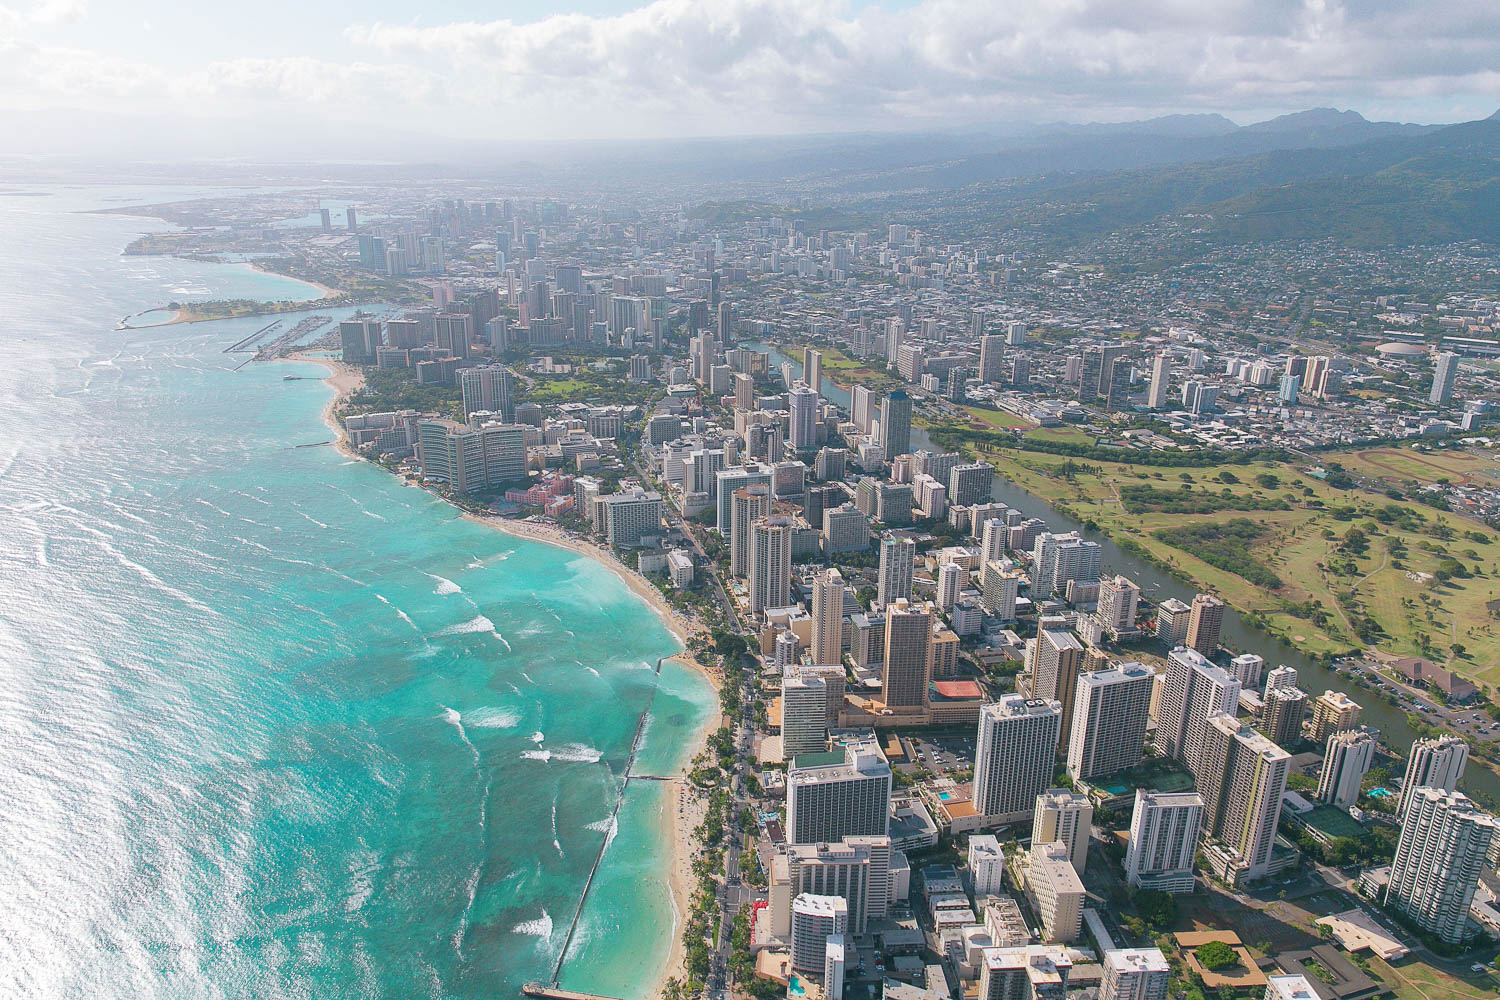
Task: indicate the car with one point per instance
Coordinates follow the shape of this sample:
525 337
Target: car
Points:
1476 967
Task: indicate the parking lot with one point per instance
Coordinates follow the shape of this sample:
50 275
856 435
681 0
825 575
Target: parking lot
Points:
940 753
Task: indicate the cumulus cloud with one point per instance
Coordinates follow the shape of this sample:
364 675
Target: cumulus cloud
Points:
739 66
955 59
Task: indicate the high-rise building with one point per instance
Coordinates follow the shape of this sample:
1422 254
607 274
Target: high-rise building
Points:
1205 621
1435 762
630 517
833 689
1064 817
1110 711
812 368
360 341
770 579
895 424
454 332
1028 972
722 482
1135 974
1118 599
1156 397
1282 713
804 714
1172 622
1164 831
1441 853
1055 658
748 505
1193 690
1016 753
471 460
862 408
815 919
1241 776
908 665
845 529
971 483
991 359
950 582
1000 588
855 869
1015 333
1098 373
1333 712
986 865
1246 668
845 792
1349 757
744 392
1315 376
828 618
897 566
487 387
1282 677
804 404
1055 890
1290 386
1444 372
1057 559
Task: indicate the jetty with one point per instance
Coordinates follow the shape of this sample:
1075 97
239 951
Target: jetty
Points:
552 991
242 346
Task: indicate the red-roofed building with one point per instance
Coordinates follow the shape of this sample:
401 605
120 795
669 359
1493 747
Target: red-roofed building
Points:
954 702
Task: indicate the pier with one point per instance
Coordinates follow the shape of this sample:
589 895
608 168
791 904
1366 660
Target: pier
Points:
244 345
552 991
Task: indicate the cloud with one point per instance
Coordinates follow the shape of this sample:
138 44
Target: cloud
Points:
674 67
942 60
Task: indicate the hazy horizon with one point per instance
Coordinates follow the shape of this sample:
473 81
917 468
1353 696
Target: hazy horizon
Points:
340 80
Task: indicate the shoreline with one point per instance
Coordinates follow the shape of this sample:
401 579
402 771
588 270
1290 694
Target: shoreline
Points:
328 293
183 314
675 819
345 380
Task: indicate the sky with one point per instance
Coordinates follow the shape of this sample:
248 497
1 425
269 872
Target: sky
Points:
313 77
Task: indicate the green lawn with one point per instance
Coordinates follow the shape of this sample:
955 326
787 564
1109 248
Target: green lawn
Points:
1314 569
1412 979
996 418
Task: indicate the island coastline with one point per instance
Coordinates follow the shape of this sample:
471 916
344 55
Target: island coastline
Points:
678 812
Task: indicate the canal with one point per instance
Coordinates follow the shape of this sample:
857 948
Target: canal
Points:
1157 586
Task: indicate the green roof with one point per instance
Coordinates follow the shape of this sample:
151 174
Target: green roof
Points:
1333 822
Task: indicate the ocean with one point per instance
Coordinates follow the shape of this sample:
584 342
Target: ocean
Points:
273 724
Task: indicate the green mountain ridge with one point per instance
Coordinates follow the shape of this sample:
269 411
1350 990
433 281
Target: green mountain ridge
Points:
1437 187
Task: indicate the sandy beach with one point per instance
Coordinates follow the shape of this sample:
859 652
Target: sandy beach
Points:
682 808
328 293
639 585
345 380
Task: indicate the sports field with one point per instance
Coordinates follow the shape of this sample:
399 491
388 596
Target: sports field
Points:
1410 466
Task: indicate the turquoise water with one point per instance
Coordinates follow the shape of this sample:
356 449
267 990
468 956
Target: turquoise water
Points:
271 723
